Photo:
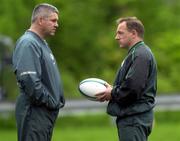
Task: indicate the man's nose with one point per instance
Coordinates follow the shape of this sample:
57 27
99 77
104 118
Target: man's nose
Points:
57 25
116 37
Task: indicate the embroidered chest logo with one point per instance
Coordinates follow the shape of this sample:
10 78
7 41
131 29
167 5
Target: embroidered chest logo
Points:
52 58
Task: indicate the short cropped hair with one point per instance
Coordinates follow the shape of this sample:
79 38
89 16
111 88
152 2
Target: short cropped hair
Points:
133 23
43 10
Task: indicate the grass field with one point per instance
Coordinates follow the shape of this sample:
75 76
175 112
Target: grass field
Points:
162 132
100 128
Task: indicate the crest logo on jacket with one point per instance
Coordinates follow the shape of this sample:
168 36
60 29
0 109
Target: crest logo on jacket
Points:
52 58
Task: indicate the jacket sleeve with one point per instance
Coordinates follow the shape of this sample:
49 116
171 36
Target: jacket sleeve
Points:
134 82
28 73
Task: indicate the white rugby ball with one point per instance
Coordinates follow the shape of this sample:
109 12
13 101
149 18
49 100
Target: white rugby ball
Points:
91 86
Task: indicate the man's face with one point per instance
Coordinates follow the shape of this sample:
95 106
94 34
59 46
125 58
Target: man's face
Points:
50 24
123 36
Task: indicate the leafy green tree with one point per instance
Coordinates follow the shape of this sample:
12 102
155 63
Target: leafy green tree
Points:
84 45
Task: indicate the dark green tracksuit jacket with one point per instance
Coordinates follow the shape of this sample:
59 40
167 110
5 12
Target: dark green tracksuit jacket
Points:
41 92
135 87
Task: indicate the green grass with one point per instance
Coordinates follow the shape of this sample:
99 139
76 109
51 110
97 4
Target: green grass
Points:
101 128
161 132
85 134
166 132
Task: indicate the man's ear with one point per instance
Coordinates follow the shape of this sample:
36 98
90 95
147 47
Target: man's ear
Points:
40 20
134 33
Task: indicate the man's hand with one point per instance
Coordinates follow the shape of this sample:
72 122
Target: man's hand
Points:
105 96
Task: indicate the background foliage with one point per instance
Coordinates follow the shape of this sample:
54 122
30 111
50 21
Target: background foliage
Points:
84 45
